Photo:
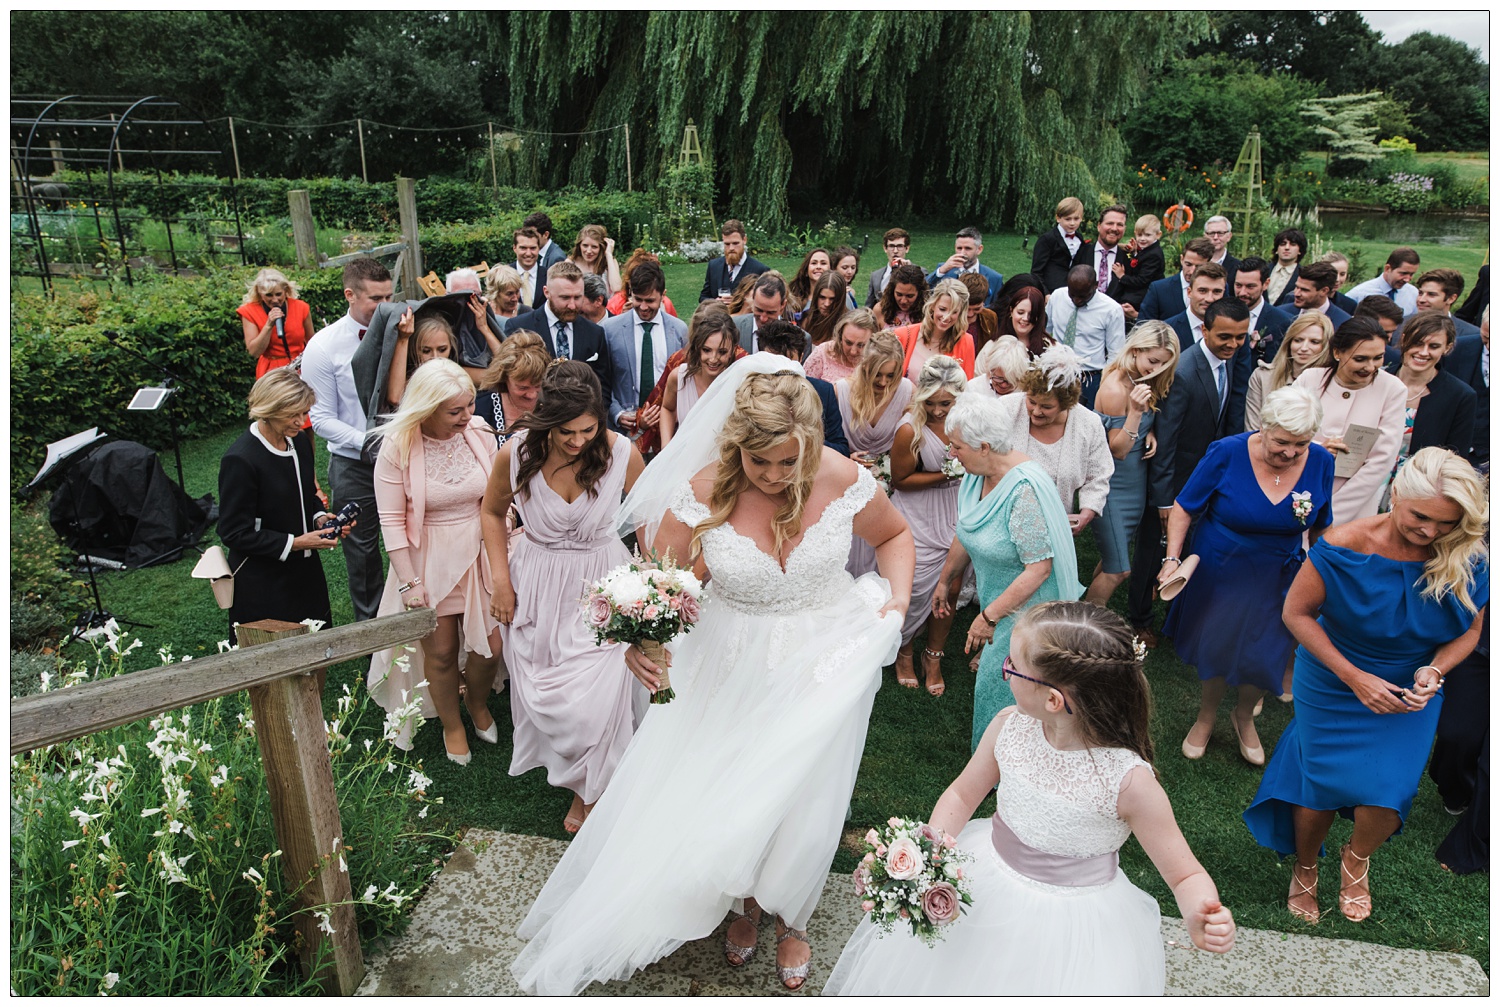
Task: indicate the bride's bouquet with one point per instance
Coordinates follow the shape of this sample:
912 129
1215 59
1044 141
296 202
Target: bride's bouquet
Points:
913 874
646 603
880 468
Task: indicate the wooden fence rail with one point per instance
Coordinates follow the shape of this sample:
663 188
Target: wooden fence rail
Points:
275 663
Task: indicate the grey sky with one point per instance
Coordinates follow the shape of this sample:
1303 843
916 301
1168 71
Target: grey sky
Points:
1472 28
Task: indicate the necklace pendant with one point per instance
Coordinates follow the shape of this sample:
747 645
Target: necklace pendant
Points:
1278 480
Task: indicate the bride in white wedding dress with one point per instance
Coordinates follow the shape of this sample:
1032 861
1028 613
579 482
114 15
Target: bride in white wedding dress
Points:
737 789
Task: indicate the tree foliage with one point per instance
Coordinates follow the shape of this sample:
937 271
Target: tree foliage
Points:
1199 111
1335 49
1445 84
1346 125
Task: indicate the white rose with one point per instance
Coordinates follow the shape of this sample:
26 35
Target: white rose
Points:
690 584
629 589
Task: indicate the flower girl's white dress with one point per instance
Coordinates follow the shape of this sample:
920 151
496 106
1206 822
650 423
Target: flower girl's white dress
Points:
1053 913
739 786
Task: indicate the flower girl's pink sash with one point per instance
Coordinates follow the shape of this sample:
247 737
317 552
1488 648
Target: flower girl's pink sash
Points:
1051 868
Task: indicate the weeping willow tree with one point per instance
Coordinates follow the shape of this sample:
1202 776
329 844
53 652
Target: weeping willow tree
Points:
990 115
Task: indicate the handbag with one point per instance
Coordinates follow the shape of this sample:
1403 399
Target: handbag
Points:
213 566
1174 584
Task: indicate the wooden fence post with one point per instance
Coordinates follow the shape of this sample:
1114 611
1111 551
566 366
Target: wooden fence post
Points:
411 262
234 146
494 176
304 809
58 165
629 181
304 235
364 173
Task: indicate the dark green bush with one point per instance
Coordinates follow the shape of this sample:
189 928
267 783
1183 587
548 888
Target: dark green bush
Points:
44 593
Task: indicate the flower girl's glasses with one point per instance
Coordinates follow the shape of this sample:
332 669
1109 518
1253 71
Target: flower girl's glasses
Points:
1008 671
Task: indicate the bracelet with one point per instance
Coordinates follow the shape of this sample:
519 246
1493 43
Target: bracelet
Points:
1440 673
1134 435
1171 559
991 622
414 582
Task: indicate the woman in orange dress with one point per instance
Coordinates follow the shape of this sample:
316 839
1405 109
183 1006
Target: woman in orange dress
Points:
272 298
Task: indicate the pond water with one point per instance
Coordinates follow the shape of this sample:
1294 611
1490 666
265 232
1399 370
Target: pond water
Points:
1407 228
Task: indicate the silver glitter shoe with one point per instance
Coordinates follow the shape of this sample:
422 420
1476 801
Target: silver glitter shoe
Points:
733 951
795 976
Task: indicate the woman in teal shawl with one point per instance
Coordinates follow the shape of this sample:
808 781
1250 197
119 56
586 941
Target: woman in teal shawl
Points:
1012 525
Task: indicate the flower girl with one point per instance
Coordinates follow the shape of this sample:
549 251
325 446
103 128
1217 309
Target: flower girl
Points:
1053 913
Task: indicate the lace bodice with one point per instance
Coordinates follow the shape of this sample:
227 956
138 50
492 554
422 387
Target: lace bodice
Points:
1060 802
455 480
747 579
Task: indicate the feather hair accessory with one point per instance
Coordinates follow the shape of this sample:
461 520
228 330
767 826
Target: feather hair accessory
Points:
1061 365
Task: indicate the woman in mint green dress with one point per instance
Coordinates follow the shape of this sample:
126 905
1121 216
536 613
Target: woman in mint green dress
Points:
1012 526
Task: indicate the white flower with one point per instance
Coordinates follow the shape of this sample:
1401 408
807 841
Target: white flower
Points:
313 625
369 895
252 875
68 844
220 778
423 812
689 583
628 589
105 840
110 978
418 782
323 923
83 816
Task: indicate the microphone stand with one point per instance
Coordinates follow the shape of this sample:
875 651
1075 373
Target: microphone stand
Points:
170 382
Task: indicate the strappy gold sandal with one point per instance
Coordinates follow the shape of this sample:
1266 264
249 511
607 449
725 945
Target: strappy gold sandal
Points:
1349 905
1299 888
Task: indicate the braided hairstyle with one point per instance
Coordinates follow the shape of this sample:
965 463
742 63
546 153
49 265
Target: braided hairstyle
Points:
1090 653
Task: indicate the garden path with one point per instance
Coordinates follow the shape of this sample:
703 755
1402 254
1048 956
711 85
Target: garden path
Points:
462 939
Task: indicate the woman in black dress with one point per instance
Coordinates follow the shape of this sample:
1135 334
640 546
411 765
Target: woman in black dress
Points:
269 512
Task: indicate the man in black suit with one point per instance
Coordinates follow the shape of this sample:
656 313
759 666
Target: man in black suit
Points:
1219 231
562 326
1105 253
1198 411
1168 296
1338 298
550 253
1267 323
897 242
731 267
1470 363
1314 291
528 249
1289 246
786 340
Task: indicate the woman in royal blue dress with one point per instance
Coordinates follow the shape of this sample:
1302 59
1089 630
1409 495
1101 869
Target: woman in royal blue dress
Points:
1387 607
1254 495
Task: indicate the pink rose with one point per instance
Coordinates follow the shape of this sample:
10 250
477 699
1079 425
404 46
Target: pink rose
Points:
940 904
872 837
880 850
652 611
949 842
867 906
893 822
674 602
904 914
929 833
599 611
869 858
861 882
959 873
690 610
904 861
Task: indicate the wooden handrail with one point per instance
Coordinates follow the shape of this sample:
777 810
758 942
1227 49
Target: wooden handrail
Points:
64 714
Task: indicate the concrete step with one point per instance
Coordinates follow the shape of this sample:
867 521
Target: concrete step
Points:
462 940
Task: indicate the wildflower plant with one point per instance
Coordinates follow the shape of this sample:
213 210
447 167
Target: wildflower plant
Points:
144 861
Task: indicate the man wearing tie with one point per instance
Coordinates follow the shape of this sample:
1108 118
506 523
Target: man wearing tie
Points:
731 267
640 342
1103 253
1168 296
528 248
1205 396
1394 280
338 416
1089 322
568 335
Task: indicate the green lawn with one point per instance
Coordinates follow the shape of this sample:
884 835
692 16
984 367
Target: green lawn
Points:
916 745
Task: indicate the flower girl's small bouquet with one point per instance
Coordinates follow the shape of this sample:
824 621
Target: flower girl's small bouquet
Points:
880 468
952 467
646 603
913 874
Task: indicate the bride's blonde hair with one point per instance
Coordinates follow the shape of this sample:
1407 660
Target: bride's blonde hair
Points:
769 410
1438 472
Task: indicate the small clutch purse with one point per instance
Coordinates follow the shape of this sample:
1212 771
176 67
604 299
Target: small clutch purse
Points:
1174 585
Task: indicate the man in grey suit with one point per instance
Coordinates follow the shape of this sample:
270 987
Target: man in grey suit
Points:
640 342
767 304
897 243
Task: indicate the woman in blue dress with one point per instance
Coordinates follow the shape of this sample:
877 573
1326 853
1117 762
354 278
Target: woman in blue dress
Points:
1387 607
1012 525
1130 391
1253 496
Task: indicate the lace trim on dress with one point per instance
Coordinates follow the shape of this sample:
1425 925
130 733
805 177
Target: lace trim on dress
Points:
448 462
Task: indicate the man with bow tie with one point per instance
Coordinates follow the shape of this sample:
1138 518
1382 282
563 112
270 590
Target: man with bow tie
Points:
339 418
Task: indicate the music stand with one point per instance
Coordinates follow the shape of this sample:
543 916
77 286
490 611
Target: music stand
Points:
61 454
149 400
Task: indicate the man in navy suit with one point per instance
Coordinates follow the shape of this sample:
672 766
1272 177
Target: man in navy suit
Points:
1219 231
1315 287
1439 289
550 253
1168 296
784 339
641 340
1288 247
1206 289
528 249
1205 398
1338 298
1267 323
567 334
968 244
731 267
1470 363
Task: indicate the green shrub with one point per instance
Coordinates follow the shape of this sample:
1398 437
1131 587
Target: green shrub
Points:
28 667
44 593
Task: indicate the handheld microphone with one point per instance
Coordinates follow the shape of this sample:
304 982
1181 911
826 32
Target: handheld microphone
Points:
281 328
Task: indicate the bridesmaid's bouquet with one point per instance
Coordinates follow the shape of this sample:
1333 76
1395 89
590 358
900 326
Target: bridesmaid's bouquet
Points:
646 603
952 467
880 468
912 874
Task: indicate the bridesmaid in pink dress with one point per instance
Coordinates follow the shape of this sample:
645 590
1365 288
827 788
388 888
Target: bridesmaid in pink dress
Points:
711 343
872 404
839 356
573 703
429 479
928 499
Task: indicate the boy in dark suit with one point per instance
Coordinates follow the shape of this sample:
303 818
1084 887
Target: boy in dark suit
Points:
1142 265
1057 249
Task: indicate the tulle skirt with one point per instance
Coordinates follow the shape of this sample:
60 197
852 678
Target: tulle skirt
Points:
1020 937
737 788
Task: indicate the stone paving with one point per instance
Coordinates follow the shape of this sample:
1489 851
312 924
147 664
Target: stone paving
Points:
462 940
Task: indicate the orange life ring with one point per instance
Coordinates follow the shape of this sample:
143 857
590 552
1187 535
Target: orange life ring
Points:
1179 217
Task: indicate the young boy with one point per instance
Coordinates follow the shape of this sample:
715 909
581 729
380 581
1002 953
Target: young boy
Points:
1058 247
1142 264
